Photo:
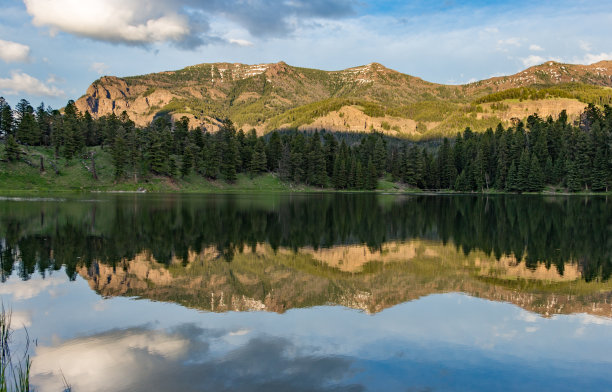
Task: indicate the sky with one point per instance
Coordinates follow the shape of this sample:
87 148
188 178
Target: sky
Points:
51 50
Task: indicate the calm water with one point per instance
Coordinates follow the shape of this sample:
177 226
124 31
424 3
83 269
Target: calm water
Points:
311 292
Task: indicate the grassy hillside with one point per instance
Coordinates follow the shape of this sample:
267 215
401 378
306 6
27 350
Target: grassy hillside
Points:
74 176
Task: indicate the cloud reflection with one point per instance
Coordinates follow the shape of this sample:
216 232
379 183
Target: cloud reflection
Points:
142 359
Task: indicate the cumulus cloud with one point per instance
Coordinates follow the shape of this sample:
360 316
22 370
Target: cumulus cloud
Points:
99 68
240 42
591 58
533 59
12 52
132 22
183 22
21 82
535 48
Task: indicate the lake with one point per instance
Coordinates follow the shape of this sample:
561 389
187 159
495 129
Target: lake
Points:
310 292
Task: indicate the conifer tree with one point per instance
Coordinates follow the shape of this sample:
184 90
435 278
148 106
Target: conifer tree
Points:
522 177
120 154
372 176
187 159
274 150
536 176
11 150
258 159
511 179
6 119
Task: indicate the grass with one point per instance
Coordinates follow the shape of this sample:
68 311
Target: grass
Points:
12 369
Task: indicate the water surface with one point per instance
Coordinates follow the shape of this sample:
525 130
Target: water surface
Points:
317 292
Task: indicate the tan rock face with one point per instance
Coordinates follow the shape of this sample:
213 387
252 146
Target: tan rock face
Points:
254 94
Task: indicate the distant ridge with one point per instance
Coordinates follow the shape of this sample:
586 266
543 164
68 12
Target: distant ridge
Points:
363 98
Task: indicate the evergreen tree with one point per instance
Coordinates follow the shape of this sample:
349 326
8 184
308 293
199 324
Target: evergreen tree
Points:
284 164
512 179
12 150
259 159
274 150
379 155
187 159
210 157
72 136
372 176
230 155
120 154
536 176
522 177
6 119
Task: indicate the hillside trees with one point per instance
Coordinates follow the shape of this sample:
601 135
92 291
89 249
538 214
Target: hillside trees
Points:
526 157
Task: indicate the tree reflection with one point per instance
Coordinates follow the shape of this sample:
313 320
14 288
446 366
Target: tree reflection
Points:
43 236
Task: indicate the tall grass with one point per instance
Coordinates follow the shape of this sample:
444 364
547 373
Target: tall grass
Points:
14 371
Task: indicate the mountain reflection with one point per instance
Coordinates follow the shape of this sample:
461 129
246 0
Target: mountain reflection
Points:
277 252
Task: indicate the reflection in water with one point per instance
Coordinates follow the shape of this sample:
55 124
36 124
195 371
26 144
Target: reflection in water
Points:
72 268
180 359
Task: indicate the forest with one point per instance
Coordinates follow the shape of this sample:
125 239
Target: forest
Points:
525 157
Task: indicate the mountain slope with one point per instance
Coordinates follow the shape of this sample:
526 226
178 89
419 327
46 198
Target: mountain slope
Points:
272 96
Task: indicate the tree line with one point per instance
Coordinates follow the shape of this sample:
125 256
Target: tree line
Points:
525 157
44 236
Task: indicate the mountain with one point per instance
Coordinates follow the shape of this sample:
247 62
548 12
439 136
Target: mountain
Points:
276 96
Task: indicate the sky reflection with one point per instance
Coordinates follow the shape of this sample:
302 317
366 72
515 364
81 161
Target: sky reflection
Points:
443 341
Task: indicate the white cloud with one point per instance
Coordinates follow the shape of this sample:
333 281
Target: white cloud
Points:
591 58
99 68
504 44
85 362
26 289
240 42
13 52
535 48
21 82
183 22
133 22
532 60
586 46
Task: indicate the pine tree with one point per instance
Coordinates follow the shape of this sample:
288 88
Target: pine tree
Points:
27 130
573 176
380 156
181 129
187 160
157 154
372 176
72 137
274 150
210 157
12 150
258 159
511 179
230 155
119 153
6 120
172 166
522 177
536 176
340 176
360 178
284 164
549 171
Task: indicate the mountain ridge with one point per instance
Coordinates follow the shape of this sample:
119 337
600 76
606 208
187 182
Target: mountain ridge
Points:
277 95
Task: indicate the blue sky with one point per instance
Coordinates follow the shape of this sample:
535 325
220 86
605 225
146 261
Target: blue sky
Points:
51 50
